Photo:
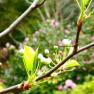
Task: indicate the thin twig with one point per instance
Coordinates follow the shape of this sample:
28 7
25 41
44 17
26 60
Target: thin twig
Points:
32 7
47 74
78 4
86 47
88 5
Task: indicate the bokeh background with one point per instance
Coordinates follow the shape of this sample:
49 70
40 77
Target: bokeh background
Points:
46 26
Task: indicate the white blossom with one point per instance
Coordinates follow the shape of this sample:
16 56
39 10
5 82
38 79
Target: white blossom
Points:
40 56
54 74
7 44
55 47
21 50
43 59
46 51
48 60
66 42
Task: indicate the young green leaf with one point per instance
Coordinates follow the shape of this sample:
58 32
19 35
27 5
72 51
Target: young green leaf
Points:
30 61
70 64
84 8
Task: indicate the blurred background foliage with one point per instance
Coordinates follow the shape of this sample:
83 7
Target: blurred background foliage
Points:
45 27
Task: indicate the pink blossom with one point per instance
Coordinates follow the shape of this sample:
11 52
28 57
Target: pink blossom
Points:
42 31
60 87
26 39
66 31
36 34
69 84
93 54
54 23
78 78
92 38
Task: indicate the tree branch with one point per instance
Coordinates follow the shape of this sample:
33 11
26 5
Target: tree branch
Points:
47 74
86 47
32 7
79 28
11 89
55 67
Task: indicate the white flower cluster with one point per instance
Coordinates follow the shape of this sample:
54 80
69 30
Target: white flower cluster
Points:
66 42
44 59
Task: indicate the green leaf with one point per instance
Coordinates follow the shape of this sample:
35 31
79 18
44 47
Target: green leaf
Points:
85 2
69 69
1 86
30 61
71 64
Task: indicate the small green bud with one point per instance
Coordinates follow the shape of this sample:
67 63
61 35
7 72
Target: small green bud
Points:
56 47
54 74
12 48
46 51
57 60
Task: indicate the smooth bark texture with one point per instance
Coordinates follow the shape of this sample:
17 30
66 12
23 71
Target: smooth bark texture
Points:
32 7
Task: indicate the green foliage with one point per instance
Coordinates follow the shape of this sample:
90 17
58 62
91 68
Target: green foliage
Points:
30 62
2 86
10 11
88 26
44 36
86 88
84 7
70 64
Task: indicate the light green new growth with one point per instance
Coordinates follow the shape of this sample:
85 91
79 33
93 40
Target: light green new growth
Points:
84 7
30 62
70 64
